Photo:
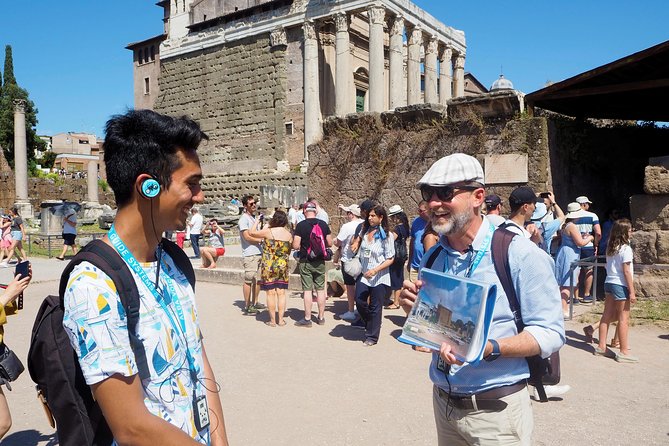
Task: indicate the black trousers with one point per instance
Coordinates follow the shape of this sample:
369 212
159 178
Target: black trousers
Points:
370 312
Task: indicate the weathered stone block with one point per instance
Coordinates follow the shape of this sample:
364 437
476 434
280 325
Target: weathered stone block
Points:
650 212
652 283
656 180
644 243
662 246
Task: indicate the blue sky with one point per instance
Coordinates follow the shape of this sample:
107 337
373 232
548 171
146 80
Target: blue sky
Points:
71 55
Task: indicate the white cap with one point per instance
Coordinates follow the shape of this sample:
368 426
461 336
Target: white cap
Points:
452 169
353 209
583 199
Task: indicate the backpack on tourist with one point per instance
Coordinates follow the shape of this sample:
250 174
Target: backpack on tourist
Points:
53 364
317 249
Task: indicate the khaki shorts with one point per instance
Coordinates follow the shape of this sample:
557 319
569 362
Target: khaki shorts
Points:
251 264
312 275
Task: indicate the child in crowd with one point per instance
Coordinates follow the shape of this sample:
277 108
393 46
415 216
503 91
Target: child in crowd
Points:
618 289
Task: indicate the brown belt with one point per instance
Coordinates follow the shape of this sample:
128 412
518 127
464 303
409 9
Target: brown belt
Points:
488 400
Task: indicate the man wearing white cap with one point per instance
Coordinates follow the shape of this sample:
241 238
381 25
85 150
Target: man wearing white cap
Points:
589 224
343 242
481 403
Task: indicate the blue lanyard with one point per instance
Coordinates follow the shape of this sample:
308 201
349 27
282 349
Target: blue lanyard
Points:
481 252
136 267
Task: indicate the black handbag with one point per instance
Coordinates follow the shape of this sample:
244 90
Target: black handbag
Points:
10 366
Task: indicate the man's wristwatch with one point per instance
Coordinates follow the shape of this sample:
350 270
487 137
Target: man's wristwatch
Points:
495 353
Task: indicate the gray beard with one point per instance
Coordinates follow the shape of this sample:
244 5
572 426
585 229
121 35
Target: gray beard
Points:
456 223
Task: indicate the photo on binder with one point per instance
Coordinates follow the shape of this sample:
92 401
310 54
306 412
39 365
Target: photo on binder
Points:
452 309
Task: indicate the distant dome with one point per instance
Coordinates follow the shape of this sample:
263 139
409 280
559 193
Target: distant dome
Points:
501 84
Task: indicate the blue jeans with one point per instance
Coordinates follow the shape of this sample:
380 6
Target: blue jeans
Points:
370 312
195 243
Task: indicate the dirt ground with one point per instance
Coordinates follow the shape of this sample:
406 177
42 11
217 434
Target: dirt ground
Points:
320 386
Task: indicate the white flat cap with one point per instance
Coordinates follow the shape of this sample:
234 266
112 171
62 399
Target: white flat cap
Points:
453 169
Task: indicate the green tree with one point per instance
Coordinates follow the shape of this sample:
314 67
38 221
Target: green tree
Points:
11 92
48 159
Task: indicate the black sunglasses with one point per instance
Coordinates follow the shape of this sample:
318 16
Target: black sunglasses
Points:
444 193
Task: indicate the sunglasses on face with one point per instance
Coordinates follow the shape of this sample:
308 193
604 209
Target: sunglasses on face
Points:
444 193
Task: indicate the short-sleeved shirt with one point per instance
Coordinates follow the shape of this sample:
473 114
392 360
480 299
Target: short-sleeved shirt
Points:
614 265
216 239
303 230
70 228
374 253
495 219
585 225
196 224
417 230
96 324
16 223
345 236
246 222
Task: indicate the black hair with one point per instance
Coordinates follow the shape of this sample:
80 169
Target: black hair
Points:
246 198
279 219
380 211
402 218
143 141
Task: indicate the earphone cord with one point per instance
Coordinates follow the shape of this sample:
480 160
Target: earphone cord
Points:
160 244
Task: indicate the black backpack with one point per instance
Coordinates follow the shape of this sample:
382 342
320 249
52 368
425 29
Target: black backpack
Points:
53 364
542 370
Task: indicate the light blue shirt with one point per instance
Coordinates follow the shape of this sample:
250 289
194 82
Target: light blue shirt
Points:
416 233
539 299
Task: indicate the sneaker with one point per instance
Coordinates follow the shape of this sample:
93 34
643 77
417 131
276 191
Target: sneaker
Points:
359 324
553 391
348 316
626 358
4 265
587 300
250 310
259 306
303 323
606 352
320 321
369 343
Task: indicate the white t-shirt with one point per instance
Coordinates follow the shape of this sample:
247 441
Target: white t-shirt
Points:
495 219
514 227
614 266
196 224
70 228
345 235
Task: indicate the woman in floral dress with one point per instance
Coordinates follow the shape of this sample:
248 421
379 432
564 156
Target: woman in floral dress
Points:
276 246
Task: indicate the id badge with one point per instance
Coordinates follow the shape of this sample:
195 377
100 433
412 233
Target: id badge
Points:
201 413
366 253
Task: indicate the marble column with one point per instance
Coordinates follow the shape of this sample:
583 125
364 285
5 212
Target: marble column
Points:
413 66
431 71
376 15
445 75
92 181
313 132
343 74
21 159
396 62
459 76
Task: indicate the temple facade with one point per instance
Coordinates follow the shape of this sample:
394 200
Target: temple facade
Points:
261 76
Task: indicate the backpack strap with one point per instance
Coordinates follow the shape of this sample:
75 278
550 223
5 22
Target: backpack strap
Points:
501 240
107 260
435 253
180 259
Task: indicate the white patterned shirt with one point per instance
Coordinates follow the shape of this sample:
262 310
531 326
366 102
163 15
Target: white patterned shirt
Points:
97 326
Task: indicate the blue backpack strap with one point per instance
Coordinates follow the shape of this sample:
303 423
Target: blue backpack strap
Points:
104 257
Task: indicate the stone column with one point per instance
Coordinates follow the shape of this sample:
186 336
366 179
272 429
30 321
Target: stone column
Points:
396 62
92 180
21 160
313 132
459 76
376 15
343 74
413 66
445 75
431 71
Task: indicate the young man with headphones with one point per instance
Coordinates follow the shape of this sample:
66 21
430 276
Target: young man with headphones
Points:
172 397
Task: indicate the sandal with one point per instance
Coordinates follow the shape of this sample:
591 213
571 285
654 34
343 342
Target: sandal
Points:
282 323
270 324
614 344
60 258
393 307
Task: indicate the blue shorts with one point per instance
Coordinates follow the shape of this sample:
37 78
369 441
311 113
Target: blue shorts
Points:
17 235
619 292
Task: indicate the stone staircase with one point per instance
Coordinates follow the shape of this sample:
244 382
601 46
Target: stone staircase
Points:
230 271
